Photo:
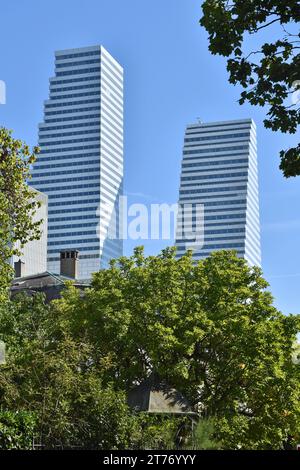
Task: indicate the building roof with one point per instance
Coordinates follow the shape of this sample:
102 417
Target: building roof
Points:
156 396
49 283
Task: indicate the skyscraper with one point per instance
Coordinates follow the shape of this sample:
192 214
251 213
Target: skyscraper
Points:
80 166
219 172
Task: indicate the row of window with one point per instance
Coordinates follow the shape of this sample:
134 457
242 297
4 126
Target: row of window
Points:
68 134
211 144
226 224
75 64
217 137
222 246
213 163
71 234
224 216
77 217
95 84
194 205
70 141
62 195
206 232
71 103
65 180
73 226
69 111
74 80
82 248
77 54
215 176
75 95
82 125
74 210
68 172
210 190
78 72
71 188
234 130
69 149
194 184
82 156
66 164
73 118
213 170
193 218
74 203
215 150
67 242
233 209
203 128
208 199
209 159
205 197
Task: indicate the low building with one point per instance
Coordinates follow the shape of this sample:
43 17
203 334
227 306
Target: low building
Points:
51 284
33 259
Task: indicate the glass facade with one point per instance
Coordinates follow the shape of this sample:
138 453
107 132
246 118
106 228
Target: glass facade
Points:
219 171
81 140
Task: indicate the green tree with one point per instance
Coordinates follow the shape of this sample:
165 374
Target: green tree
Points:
204 435
16 430
49 374
269 74
209 329
17 204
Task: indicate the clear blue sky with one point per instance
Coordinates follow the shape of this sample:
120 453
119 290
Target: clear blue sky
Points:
170 80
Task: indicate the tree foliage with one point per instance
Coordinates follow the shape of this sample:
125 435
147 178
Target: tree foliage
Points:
17 204
270 74
49 372
208 329
204 435
16 430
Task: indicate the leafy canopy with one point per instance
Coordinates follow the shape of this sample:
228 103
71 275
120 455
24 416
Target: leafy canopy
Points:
52 390
208 329
270 74
17 204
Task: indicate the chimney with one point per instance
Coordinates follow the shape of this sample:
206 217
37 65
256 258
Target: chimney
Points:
19 267
69 263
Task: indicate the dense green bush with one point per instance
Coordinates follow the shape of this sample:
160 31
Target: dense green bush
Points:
16 430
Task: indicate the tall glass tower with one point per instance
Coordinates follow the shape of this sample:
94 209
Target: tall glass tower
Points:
219 174
80 166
